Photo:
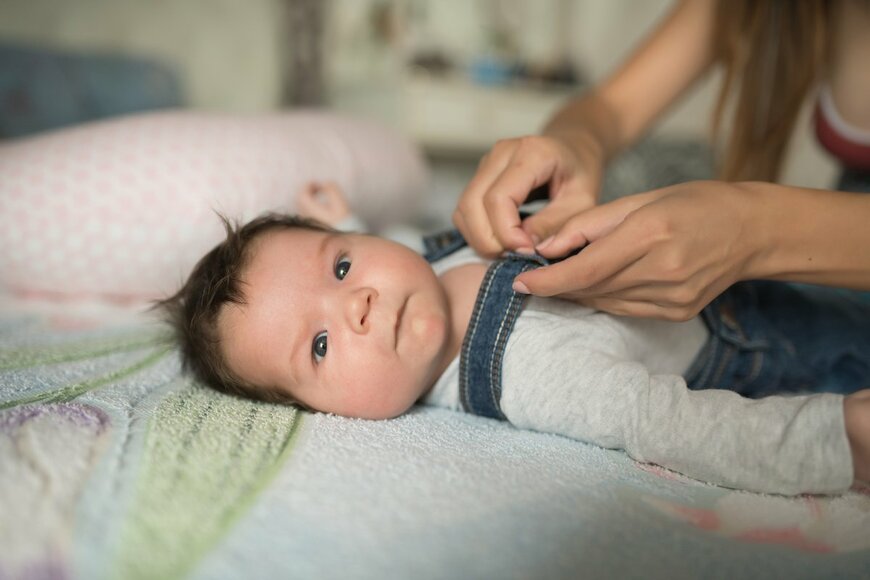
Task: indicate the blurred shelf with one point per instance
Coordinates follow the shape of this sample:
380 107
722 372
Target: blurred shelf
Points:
451 116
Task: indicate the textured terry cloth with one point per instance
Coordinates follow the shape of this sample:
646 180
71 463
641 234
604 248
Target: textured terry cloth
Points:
102 438
616 382
113 464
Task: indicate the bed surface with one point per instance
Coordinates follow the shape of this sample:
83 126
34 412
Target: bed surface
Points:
115 465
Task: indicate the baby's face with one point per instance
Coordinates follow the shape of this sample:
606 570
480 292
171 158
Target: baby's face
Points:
348 324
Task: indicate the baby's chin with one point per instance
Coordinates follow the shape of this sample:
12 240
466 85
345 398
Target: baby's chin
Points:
386 398
378 414
373 412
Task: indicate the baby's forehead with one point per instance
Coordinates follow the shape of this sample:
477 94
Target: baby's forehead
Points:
299 233
279 264
298 243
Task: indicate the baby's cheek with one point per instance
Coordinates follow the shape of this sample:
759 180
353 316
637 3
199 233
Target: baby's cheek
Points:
382 395
428 328
423 326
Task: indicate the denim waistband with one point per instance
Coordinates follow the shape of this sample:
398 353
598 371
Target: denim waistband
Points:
495 312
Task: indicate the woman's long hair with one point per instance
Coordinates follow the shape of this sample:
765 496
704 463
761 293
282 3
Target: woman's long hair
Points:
773 52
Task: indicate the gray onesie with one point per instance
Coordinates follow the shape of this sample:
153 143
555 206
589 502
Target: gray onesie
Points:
616 382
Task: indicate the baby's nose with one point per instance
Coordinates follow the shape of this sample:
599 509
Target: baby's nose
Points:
360 306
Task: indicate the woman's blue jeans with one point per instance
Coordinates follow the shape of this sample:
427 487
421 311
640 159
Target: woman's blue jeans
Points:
771 338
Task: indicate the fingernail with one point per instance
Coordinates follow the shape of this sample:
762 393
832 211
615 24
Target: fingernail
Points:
520 287
545 243
526 250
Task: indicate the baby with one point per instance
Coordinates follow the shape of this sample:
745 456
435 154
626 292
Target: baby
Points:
288 309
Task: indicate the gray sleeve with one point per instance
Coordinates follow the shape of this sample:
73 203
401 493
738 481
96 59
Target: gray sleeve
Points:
785 445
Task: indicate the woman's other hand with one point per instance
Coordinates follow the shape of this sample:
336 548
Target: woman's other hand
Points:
583 135
662 254
487 214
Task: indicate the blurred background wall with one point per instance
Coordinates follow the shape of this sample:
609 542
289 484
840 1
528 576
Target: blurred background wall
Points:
453 74
226 53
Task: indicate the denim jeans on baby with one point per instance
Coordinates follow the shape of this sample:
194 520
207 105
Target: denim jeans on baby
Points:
495 311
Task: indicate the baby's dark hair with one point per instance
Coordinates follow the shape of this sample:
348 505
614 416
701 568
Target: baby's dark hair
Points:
193 311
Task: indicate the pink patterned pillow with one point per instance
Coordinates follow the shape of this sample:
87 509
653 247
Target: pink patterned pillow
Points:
124 208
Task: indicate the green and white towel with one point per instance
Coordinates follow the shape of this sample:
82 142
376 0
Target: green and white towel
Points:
115 465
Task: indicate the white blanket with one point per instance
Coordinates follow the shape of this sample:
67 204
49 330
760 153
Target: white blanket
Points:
114 465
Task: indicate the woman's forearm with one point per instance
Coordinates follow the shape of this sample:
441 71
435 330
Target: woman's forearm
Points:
588 125
809 235
664 66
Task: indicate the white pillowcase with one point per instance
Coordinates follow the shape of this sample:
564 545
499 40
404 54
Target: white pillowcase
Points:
123 208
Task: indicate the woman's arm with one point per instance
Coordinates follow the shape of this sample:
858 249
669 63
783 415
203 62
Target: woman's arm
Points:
669 252
813 236
583 136
660 70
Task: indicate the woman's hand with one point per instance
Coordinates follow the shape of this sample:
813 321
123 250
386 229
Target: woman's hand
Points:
324 202
662 254
487 214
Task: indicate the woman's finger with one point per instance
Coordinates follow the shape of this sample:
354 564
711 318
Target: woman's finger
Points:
597 262
553 216
470 216
590 225
503 200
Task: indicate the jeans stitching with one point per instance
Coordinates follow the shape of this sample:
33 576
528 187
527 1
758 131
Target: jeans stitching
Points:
495 312
495 359
494 382
516 302
472 331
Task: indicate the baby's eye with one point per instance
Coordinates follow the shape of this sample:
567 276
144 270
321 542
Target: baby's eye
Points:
342 267
318 347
